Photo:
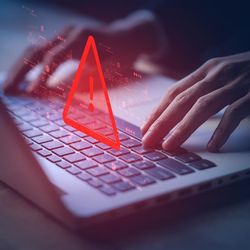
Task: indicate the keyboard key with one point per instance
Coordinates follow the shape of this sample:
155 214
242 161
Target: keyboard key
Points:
86 164
63 164
123 186
105 131
104 158
121 151
86 120
69 128
91 140
25 127
60 123
123 137
141 150
75 115
73 170
92 152
143 180
17 120
84 176
35 147
130 143
32 133
42 138
177 151
129 172
155 156
28 141
144 165
63 151
129 158
54 116
70 139
80 145
42 112
107 190
96 125
116 165
20 111
97 171
103 146
202 164
59 133
40 122
53 158
49 128
52 145
95 183
188 157
32 104
30 117
160 173
10 104
74 157
110 178
80 134
175 166
44 152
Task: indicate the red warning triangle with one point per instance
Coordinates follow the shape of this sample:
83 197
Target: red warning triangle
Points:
88 107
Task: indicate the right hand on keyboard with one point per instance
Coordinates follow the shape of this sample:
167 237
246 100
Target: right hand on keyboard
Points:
220 82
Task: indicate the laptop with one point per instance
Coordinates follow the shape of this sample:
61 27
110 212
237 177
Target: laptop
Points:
81 181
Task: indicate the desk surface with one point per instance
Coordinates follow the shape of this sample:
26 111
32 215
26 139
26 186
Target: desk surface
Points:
216 220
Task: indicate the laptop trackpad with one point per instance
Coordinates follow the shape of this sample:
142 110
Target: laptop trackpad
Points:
239 141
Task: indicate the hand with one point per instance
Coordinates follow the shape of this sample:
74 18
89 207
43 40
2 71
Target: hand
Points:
137 28
218 83
50 54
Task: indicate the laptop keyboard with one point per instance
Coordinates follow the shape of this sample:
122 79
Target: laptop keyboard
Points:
108 170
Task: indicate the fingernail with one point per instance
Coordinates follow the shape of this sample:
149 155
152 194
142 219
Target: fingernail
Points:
144 139
165 144
143 128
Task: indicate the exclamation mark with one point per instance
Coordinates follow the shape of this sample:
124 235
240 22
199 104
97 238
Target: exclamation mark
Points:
91 93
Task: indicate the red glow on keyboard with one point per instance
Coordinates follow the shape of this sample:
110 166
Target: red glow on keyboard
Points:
92 117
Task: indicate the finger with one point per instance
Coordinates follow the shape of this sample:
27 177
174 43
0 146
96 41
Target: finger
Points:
51 62
32 56
229 122
179 87
204 108
176 111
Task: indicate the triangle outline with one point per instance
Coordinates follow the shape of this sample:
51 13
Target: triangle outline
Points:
90 44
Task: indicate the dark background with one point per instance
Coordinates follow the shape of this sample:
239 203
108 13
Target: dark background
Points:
216 220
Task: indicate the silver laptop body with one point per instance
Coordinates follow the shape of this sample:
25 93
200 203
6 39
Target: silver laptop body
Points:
78 204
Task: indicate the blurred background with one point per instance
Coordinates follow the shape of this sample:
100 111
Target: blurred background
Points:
194 31
22 21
